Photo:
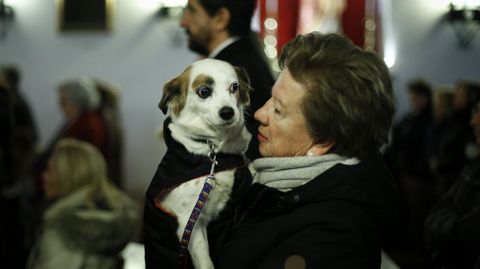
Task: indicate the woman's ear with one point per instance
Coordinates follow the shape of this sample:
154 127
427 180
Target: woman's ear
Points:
221 19
320 149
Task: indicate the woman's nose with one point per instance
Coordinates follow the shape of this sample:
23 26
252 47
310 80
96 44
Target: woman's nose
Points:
261 115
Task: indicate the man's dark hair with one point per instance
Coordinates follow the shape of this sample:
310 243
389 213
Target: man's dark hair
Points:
241 12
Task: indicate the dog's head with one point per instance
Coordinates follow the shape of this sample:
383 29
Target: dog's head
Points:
208 96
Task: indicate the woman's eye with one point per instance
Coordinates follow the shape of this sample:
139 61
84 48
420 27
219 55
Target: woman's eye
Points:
234 87
204 91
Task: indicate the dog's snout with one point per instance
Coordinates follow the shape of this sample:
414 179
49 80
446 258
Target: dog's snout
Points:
226 113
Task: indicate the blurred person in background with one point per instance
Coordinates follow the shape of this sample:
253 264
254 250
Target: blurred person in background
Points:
17 186
89 220
110 112
462 147
439 139
453 227
408 157
25 135
6 123
79 101
12 251
409 134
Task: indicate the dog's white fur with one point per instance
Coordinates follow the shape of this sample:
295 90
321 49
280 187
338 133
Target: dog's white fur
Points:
195 119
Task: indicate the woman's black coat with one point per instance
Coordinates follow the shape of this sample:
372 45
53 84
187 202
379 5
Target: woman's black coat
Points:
340 219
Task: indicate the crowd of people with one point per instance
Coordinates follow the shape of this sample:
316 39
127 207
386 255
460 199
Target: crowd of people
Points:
84 156
434 147
333 180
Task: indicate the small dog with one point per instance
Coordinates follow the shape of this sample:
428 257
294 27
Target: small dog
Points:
206 106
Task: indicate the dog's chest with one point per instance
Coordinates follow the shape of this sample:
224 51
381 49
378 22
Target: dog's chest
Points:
181 200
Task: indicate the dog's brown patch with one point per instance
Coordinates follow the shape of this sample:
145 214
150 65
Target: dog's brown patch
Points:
203 80
175 92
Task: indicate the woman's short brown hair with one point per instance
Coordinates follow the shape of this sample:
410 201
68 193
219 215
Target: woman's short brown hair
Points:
349 97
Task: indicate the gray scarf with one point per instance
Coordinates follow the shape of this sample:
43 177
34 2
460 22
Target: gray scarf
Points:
285 173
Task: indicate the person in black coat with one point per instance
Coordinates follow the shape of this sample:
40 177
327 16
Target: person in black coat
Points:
221 30
321 196
25 134
18 139
410 133
7 206
460 138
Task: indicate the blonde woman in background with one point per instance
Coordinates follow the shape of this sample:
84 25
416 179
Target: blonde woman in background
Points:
90 220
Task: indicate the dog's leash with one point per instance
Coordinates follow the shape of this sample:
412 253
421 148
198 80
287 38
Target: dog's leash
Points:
202 199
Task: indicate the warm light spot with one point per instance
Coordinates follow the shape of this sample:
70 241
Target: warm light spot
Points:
275 66
271 24
270 40
295 262
271 52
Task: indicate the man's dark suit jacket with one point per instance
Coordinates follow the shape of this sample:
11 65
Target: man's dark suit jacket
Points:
244 53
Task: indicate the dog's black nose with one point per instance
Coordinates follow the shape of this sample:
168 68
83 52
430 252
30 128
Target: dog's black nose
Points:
226 113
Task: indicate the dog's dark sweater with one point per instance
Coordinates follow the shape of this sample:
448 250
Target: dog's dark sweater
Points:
177 166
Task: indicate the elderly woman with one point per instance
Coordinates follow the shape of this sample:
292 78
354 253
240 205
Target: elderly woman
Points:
321 197
90 219
79 101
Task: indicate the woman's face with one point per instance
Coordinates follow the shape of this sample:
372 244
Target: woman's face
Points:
50 182
68 108
417 101
283 130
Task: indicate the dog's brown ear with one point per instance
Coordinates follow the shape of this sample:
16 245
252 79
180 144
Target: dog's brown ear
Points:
170 89
175 91
245 87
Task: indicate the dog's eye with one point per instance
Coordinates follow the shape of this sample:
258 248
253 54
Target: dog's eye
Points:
204 91
234 87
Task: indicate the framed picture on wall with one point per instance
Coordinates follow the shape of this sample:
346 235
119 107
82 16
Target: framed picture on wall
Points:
85 15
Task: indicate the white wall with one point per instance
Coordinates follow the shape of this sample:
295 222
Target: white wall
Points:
426 46
138 56
142 52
